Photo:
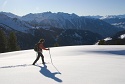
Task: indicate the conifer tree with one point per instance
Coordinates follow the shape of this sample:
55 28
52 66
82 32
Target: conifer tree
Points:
56 44
101 42
12 42
3 42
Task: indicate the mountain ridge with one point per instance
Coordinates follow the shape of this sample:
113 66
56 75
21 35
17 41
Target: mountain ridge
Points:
57 27
69 21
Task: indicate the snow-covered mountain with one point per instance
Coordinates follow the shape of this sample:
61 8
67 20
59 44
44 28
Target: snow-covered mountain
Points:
71 65
62 28
95 17
14 23
113 16
11 15
115 20
62 21
107 16
118 22
70 21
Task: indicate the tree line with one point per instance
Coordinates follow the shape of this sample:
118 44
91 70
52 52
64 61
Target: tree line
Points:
8 43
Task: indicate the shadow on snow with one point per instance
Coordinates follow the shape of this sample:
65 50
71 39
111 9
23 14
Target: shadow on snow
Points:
47 73
44 71
14 66
117 52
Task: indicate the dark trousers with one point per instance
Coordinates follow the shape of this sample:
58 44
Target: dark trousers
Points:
39 55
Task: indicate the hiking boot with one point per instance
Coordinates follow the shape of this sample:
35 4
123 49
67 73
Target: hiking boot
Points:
33 64
43 63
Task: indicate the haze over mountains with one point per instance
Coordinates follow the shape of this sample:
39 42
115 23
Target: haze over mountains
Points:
61 28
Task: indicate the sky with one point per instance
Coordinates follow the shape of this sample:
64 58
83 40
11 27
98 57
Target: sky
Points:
79 7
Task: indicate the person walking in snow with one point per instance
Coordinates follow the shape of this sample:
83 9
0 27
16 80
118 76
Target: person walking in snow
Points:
40 47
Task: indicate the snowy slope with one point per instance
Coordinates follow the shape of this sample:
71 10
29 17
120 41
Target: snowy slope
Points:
113 16
77 64
14 23
11 15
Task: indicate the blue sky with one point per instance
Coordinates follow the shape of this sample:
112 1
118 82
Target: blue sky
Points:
79 7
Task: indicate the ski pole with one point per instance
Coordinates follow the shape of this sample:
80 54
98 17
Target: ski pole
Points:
52 62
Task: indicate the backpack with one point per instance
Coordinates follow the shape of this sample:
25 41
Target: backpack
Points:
36 47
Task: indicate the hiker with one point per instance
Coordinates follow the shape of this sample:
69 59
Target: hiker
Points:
40 47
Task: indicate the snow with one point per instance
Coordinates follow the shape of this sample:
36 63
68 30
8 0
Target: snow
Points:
113 16
88 64
14 23
122 36
53 19
108 38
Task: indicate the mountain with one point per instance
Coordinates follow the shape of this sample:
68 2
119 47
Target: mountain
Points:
117 39
11 15
54 36
69 37
113 16
14 23
63 21
91 64
70 21
57 28
107 16
119 35
118 22
95 17
115 20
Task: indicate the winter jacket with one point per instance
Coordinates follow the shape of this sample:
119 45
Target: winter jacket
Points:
41 46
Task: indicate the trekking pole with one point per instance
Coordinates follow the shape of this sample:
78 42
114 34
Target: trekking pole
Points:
36 54
52 62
